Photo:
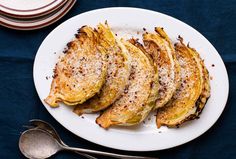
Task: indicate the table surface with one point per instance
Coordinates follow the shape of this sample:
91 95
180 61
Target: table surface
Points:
215 19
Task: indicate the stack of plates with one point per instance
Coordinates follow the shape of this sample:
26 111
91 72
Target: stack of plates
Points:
32 14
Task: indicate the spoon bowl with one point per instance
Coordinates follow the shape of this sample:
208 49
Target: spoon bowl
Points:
40 124
47 127
38 144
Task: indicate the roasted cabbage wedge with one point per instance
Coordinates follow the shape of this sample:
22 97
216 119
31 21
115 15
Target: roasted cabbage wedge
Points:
155 84
162 51
117 74
190 98
139 96
81 72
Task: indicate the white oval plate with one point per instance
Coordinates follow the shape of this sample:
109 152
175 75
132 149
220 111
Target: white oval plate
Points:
144 137
29 8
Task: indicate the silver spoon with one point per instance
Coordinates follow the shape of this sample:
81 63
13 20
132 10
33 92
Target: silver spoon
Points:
37 123
39 144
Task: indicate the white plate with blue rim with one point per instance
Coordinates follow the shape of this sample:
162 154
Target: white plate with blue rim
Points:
24 9
37 23
128 22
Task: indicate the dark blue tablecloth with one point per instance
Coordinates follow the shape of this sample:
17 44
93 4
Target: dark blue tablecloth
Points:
19 102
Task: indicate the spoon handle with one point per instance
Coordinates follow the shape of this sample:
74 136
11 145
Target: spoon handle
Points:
82 154
105 153
85 155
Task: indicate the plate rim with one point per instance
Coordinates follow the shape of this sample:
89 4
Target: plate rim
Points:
21 14
48 20
153 11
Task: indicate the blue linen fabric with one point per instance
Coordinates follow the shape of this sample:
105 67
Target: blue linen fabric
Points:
19 101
